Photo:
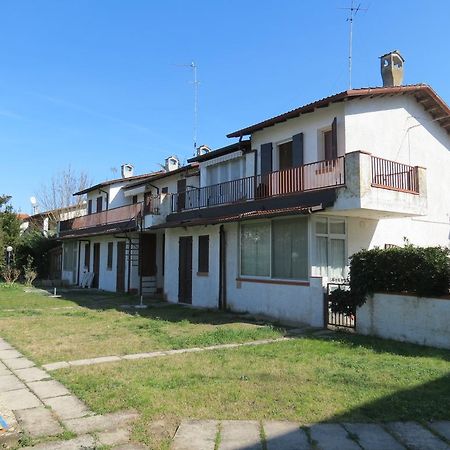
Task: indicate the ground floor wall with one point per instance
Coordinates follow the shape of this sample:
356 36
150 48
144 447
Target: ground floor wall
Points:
406 318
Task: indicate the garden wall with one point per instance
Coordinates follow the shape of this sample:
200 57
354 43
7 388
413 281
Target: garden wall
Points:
420 320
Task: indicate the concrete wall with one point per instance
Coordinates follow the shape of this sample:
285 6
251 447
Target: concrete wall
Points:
406 318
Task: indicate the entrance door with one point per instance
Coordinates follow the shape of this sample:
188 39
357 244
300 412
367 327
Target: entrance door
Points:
96 268
185 270
148 255
120 273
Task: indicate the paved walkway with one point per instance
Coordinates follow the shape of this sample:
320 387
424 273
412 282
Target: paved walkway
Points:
44 409
104 359
276 435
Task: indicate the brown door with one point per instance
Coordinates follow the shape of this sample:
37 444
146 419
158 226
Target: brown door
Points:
96 268
120 273
99 204
148 255
181 197
185 270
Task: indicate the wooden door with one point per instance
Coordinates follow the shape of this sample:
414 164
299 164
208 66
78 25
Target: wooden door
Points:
96 268
185 270
148 255
181 197
120 272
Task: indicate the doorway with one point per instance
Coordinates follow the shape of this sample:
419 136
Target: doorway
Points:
185 270
96 268
148 255
120 272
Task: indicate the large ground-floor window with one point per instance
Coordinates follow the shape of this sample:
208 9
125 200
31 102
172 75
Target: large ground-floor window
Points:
330 247
276 249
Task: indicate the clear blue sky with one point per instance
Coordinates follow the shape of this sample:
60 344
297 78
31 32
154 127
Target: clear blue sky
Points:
95 83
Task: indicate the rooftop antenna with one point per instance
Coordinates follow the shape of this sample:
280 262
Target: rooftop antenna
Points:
195 82
352 11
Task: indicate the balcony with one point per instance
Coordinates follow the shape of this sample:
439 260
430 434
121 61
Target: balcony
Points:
309 177
121 218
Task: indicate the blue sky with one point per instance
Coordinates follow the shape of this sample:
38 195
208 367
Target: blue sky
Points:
96 83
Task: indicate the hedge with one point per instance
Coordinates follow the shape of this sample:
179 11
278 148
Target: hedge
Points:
423 271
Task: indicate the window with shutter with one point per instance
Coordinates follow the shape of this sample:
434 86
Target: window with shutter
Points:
203 254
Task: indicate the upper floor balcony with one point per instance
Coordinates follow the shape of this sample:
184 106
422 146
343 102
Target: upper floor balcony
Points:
362 181
126 217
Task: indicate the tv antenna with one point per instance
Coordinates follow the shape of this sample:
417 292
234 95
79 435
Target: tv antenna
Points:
195 82
352 11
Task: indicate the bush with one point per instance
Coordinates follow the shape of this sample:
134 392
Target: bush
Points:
10 274
29 271
423 271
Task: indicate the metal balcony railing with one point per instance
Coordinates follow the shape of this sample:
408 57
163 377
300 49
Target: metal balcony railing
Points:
396 176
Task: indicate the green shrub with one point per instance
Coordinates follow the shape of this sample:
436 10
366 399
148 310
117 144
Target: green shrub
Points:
422 271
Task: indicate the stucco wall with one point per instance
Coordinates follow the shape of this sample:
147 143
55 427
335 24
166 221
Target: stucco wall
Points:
406 318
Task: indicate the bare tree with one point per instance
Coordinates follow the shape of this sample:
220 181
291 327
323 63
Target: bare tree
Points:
57 196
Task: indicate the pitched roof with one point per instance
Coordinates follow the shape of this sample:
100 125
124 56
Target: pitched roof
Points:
243 145
117 180
423 93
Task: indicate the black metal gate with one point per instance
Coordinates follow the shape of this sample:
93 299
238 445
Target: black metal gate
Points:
338 319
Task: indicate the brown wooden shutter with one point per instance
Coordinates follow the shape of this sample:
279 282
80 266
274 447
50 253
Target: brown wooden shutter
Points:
203 254
334 149
99 204
297 150
266 158
89 207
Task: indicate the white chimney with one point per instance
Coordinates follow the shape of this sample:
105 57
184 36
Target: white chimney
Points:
203 150
127 170
171 163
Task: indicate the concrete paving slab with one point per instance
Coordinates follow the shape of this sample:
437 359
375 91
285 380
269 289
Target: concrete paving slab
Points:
442 427
120 436
416 437
19 399
196 435
5 346
9 354
48 388
106 422
4 370
9 438
56 365
240 434
373 437
281 435
10 383
130 446
67 407
144 355
332 436
91 361
37 422
31 374
18 363
81 442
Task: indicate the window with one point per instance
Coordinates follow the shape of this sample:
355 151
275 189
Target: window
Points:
330 248
203 254
99 204
276 249
69 256
134 199
109 260
255 249
328 145
165 190
285 156
89 207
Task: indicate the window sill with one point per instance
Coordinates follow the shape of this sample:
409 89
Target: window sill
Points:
272 281
203 274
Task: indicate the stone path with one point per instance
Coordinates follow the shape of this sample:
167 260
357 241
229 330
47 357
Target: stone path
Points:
44 409
114 358
280 435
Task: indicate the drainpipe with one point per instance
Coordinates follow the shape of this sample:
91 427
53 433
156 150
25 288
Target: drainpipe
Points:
222 269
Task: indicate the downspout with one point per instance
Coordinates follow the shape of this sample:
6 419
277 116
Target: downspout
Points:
222 269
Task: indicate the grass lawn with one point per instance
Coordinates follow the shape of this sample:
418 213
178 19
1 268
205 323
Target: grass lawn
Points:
93 324
347 378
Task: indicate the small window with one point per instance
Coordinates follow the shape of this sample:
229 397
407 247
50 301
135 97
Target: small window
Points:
203 254
165 190
110 256
134 200
99 204
89 207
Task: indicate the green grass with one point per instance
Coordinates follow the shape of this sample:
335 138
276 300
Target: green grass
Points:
98 326
350 378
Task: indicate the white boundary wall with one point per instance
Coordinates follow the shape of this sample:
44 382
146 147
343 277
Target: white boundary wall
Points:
419 320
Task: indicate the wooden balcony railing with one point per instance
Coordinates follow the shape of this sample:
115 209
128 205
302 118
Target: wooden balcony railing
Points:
314 176
395 176
122 214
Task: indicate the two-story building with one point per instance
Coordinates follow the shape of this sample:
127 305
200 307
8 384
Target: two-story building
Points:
278 214
112 246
